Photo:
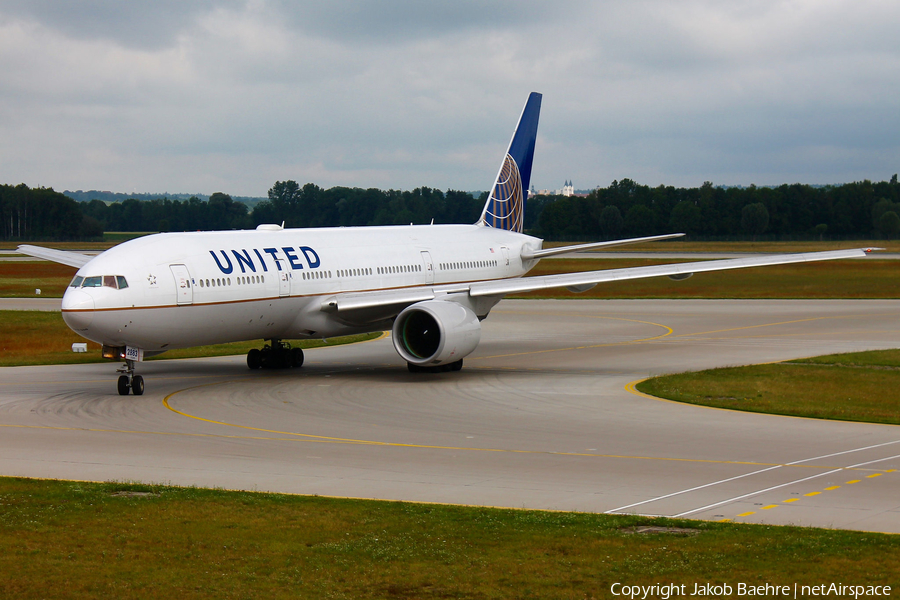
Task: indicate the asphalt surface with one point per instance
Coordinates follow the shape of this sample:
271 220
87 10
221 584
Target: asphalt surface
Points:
45 304
541 416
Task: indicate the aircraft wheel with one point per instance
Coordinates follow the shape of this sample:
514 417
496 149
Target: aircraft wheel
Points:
456 366
254 358
296 357
122 385
137 385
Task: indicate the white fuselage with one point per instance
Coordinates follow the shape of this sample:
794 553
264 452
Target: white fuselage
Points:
191 289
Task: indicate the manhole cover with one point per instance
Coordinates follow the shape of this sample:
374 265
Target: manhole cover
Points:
648 529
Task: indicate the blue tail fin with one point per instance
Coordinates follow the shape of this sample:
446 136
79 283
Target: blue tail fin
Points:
505 207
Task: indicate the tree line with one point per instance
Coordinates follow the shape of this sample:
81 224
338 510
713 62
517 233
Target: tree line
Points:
624 208
854 210
42 214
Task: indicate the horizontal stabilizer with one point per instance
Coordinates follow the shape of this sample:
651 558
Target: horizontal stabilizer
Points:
526 255
73 259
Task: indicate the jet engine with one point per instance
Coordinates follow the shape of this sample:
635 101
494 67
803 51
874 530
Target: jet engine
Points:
436 333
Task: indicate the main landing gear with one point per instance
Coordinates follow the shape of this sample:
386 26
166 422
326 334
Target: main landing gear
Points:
277 355
129 381
454 366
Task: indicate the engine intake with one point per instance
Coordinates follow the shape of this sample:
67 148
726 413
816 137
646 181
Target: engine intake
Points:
435 332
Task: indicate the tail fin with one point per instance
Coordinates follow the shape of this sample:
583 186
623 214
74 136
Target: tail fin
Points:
505 207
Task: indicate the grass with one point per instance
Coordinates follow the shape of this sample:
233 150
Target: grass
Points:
84 540
20 279
42 338
861 386
110 239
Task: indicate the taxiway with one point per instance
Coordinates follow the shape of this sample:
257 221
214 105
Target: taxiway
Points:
543 415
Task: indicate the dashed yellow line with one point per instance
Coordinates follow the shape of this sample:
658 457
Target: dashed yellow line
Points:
810 494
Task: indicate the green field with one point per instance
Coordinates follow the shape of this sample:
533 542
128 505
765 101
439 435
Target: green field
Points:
83 540
862 386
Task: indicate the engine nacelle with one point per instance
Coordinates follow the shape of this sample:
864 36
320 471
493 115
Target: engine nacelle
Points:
435 332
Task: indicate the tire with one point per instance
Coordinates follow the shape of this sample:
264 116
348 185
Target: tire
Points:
137 385
254 359
296 357
122 385
456 366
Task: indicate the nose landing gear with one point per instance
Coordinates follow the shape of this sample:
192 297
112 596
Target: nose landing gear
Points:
129 381
277 355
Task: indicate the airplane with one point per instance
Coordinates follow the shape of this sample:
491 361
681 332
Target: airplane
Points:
430 285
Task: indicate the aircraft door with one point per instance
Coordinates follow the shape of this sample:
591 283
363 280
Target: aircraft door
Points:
504 259
184 293
428 266
284 279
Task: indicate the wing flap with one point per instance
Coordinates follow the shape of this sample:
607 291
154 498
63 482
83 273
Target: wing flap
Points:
364 300
73 259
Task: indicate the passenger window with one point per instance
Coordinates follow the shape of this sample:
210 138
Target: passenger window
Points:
77 281
121 281
94 281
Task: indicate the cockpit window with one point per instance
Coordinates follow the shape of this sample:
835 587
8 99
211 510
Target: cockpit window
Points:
111 281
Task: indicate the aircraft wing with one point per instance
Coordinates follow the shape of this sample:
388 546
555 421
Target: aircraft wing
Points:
586 280
73 259
382 304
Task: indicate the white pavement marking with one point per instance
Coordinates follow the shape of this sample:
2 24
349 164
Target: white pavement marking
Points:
721 481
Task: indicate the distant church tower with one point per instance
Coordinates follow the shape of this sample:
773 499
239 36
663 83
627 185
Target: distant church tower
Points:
568 189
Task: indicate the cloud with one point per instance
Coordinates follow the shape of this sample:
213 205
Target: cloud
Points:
220 95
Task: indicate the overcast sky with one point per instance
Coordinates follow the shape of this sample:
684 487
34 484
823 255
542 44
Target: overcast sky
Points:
232 95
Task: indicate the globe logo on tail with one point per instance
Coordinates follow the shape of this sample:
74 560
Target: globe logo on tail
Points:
504 207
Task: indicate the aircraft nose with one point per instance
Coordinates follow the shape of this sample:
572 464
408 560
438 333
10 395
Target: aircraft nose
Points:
77 309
